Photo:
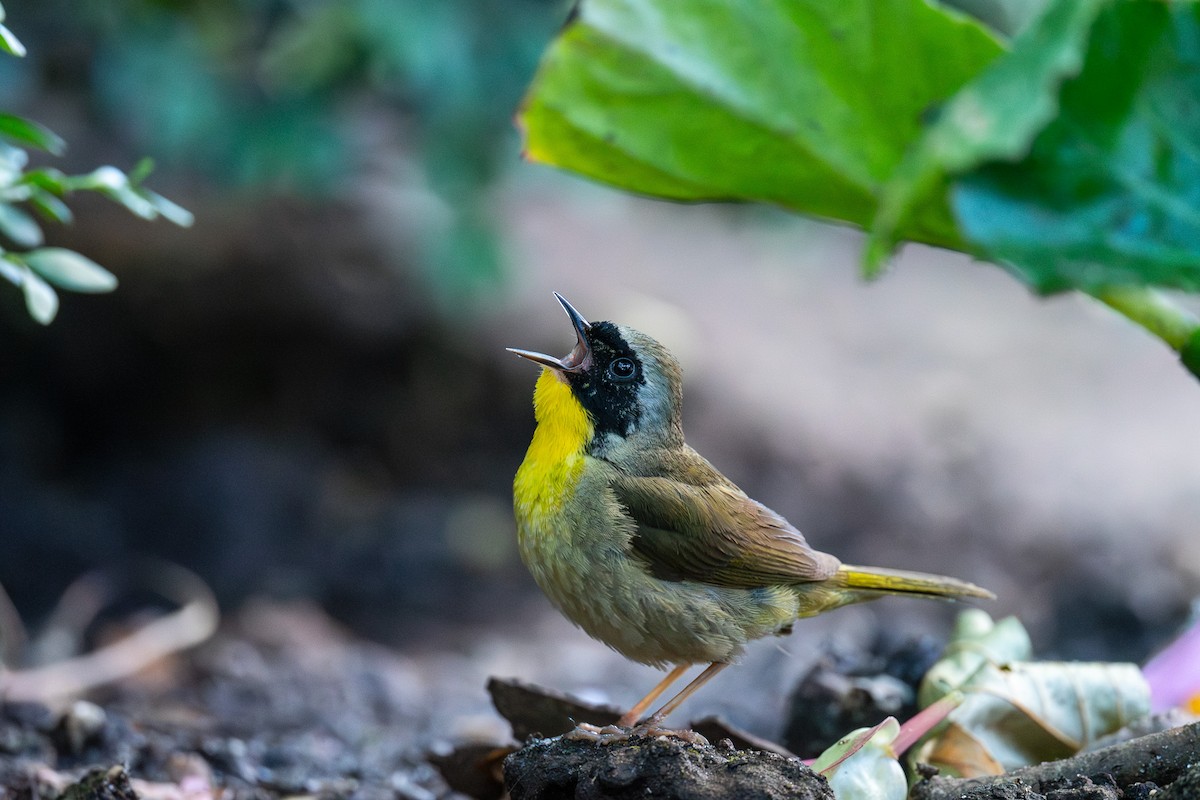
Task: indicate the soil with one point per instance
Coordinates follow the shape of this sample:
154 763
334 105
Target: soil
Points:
284 703
561 769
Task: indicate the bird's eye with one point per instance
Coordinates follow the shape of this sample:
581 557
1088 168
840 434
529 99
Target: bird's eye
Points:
622 369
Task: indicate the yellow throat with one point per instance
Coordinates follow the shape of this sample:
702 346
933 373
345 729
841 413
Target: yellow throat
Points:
554 460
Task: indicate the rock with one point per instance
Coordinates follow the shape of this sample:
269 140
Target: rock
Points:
661 767
101 784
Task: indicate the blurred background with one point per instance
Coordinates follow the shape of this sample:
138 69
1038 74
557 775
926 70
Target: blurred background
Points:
305 397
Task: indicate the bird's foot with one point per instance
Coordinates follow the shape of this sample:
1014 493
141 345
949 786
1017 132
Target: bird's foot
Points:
614 734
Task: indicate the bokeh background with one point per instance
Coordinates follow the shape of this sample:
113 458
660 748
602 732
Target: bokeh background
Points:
305 396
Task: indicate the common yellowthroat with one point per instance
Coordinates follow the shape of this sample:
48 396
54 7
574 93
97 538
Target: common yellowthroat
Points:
641 542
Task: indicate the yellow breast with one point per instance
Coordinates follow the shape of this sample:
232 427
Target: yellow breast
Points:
555 459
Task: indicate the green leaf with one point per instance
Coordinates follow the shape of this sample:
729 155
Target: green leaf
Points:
141 170
48 178
167 209
10 44
1110 193
19 227
996 116
27 132
1190 354
70 270
806 104
50 207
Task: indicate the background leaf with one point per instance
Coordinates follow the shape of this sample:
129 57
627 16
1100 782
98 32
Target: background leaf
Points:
10 44
808 105
31 133
40 298
20 228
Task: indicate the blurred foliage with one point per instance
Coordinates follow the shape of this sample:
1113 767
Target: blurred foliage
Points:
25 262
1067 154
295 95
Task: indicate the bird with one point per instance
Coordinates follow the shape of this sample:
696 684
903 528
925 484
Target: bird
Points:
641 542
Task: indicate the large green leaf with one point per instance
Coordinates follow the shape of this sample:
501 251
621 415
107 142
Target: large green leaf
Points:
808 104
996 116
1110 193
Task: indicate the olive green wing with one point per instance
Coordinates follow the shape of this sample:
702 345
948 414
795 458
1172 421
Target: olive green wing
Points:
715 534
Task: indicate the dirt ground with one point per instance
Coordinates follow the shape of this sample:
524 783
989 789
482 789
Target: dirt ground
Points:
284 703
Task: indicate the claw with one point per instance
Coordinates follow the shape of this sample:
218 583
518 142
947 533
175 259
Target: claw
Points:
613 734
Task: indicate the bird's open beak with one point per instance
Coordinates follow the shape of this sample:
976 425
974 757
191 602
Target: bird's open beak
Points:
579 357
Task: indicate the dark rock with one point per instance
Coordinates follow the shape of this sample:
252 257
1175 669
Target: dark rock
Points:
717 729
1185 787
662 767
1144 791
475 770
1084 788
535 711
100 784
855 689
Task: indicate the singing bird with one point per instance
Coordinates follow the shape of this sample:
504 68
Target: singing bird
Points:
643 543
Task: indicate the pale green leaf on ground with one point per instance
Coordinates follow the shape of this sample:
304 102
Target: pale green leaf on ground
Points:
806 104
976 643
1017 712
70 270
862 765
1110 193
996 116
19 227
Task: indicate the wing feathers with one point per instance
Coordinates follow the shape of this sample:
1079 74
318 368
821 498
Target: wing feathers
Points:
714 533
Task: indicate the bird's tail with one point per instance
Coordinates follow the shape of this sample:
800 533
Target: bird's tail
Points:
874 581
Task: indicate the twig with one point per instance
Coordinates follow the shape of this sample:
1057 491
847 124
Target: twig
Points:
192 623
1152 310
1159 757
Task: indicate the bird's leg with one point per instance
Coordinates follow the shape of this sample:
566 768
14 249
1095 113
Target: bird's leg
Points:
611 734
704 677
630 717
620 731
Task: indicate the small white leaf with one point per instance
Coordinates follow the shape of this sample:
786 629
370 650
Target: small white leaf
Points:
70 270
40 299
